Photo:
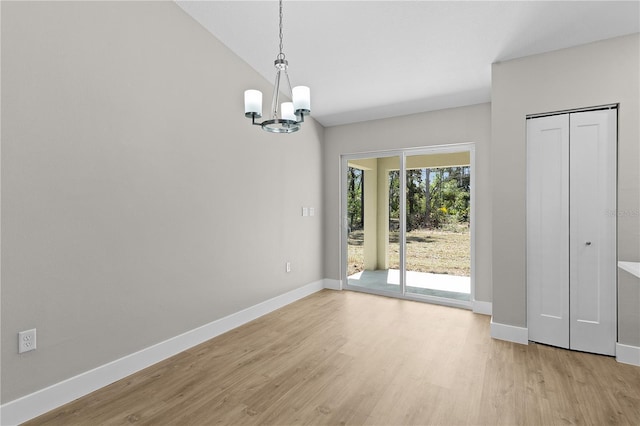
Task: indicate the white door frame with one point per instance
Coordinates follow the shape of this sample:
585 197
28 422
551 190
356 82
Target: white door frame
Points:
402 154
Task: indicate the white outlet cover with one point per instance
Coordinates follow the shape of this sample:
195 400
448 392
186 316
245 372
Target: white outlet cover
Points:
312 211
27 341
305 211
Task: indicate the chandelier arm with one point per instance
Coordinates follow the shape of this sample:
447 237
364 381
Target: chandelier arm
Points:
276 96
253 120
289 84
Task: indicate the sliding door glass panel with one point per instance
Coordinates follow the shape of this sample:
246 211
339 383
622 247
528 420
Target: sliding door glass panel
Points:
372 203
437 250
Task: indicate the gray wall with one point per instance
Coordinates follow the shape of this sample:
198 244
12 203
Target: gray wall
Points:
456 125
593 74
137 201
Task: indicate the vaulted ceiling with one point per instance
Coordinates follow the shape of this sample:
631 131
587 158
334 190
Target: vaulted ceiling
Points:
373 59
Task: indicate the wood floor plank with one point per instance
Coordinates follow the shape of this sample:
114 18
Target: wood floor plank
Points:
357 359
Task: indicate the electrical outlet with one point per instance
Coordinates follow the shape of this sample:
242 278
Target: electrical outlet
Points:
27 341
288 266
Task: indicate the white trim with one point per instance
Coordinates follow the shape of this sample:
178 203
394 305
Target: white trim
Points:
510 333
332 284
402 222
47 399
472 219
419 150
480 307
627 354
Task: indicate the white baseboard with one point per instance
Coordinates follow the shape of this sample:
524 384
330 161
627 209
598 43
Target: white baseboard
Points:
628 354
332 284
510 333
47 399
480 307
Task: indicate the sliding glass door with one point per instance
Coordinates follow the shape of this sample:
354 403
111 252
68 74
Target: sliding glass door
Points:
372 222
407 229
438 234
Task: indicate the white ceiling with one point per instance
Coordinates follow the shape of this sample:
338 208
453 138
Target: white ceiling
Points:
373 59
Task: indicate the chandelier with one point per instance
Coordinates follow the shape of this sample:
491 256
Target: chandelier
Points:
291 113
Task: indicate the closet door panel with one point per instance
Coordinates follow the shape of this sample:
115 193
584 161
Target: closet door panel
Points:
548 230
592 231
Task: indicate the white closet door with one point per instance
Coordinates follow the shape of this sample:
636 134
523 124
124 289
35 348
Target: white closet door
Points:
548 230
592 231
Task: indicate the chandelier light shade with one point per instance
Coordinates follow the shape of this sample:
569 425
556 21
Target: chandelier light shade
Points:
288 116
253 102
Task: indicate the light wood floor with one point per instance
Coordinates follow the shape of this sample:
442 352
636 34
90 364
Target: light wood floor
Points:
353 358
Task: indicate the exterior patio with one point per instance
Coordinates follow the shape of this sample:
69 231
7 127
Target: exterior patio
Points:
438 285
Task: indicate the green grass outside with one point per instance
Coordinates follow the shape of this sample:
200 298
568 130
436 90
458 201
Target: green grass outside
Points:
435 251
